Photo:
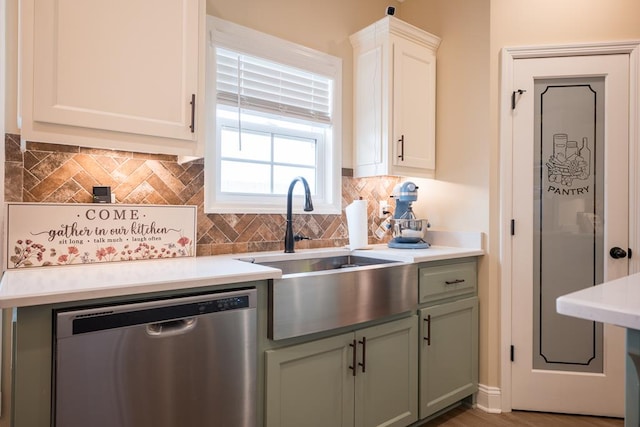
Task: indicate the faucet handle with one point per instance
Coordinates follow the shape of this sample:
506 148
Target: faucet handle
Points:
299 237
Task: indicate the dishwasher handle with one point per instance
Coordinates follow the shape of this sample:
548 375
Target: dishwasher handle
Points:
171 328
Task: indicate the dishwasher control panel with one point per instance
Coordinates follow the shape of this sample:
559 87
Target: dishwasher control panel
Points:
224 304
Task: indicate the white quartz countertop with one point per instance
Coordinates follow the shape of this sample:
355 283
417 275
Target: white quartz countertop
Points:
616 302
47 285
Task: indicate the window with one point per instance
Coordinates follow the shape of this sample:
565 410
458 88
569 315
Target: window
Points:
273 114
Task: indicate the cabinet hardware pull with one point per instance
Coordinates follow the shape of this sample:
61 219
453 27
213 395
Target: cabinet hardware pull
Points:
354 360
453 282
193 113
401 141
364 353
428 337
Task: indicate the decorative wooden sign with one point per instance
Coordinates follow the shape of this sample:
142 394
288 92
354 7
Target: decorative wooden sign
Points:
42 234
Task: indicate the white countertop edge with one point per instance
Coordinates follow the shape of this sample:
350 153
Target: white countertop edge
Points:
45 285
48 285
117 290
616 302
433 253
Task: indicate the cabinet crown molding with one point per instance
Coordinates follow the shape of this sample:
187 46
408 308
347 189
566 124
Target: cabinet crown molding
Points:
390 25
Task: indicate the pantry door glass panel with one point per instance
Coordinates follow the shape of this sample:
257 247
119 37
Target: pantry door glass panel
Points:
568 214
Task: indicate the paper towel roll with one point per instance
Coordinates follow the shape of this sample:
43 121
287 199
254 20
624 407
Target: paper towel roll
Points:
357 224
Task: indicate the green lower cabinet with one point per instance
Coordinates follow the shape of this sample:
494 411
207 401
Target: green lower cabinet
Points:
387 390
310 384
448 354
313 384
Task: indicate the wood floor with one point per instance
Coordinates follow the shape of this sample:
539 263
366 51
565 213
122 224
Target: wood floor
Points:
463 416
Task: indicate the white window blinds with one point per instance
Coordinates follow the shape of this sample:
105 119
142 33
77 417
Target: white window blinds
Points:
258 84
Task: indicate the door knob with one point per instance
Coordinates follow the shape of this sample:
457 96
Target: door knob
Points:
617 253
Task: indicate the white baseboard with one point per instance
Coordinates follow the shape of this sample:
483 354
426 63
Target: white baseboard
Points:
489 399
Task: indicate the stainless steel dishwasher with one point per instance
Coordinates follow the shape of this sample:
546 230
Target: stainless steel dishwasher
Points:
182 362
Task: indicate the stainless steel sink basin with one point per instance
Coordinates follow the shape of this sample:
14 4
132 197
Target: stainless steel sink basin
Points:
320 294
309 265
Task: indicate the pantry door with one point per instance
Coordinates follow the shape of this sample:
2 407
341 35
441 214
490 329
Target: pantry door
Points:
571 210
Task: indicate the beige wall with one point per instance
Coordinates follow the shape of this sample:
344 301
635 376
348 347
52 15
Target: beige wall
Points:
459 198
11 68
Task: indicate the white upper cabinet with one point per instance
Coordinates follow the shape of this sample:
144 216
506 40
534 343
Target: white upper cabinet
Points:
116 74
394 100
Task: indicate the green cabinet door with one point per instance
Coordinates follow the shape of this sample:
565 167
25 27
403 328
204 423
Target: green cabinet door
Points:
314 384
310 384
387 384
448 354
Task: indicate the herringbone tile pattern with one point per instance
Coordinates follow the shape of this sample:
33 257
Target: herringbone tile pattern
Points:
67 174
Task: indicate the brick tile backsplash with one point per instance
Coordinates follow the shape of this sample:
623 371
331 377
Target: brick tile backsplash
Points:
66 174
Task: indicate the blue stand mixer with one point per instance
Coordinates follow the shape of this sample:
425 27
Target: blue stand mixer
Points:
408 232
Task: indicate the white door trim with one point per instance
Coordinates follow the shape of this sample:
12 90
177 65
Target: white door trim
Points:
507 58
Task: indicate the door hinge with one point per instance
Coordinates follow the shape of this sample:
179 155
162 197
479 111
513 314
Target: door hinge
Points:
513 97
513 227
512 353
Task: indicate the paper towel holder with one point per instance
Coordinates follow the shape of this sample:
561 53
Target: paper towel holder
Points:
357 224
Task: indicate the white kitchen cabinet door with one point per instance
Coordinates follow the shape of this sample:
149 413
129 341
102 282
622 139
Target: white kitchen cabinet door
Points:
119 74
414 106
394 100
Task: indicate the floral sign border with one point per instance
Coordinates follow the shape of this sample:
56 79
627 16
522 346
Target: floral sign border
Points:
43 234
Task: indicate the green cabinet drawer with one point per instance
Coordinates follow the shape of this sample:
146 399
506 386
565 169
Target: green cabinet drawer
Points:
446 281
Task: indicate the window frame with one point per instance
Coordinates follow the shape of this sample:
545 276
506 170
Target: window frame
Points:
261 128
241 39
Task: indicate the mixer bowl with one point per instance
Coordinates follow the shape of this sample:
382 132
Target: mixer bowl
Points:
409 230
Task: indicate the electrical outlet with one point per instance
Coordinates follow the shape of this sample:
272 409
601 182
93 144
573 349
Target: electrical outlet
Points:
383 209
